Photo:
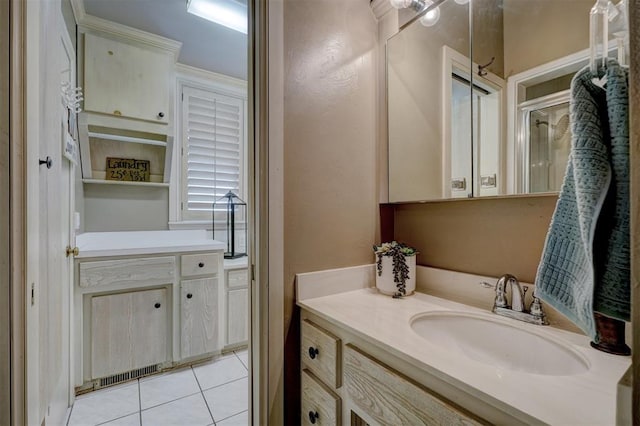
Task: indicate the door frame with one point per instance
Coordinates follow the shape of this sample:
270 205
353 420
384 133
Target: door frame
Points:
17 207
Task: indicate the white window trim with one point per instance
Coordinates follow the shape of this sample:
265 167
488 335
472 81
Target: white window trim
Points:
187 76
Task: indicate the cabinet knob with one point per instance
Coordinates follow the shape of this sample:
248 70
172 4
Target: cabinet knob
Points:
313 352
313 416
117 112
161 114
189 295
201 264
48 162
157 305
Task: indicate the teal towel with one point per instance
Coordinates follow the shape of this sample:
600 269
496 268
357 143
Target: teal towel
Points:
585 263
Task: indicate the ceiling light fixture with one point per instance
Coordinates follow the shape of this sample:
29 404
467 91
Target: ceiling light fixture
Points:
230 13
428 19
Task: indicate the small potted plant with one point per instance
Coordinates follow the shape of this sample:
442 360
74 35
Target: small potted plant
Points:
396 269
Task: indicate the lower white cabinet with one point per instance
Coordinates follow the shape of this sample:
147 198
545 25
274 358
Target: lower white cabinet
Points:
237 307
128 331
199 317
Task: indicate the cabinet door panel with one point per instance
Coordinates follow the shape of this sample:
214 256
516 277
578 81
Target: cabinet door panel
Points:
128 331
199 317
237 316
123 79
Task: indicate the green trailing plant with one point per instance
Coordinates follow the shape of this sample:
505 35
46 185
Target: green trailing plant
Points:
398 253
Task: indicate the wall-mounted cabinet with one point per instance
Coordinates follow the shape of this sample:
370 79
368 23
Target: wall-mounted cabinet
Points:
128 81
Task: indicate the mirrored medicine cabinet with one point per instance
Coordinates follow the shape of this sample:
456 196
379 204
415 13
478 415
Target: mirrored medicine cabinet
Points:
478 99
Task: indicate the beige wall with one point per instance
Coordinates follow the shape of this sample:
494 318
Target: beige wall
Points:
330 148
5 389
545 30
125 208
488 237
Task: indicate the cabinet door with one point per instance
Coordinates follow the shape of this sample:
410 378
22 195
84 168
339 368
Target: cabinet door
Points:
237 316
199 317
127 80
128 331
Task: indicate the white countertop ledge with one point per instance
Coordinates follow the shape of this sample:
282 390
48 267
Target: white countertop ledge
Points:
586 399
102 244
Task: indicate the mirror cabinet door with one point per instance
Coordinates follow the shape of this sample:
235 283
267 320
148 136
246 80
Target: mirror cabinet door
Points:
488 123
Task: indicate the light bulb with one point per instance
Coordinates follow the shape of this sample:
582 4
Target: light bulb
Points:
462 1
400 4
430 18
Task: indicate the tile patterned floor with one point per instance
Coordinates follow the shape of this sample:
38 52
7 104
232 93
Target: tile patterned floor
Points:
215 393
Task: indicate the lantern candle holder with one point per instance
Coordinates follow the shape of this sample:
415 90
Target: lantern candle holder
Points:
235 217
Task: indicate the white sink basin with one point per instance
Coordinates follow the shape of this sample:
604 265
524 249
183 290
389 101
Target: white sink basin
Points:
488 339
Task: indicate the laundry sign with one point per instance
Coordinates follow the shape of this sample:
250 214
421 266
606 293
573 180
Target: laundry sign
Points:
127 169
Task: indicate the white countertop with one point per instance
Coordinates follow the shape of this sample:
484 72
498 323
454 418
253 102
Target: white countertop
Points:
98 244
583 399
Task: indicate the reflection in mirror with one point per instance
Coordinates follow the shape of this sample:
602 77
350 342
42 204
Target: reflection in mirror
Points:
531 49
415 91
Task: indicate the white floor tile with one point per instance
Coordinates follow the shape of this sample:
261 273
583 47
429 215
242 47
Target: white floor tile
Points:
229 399
219 372
131 420
241 419
156 390
105 405
244 357
189 411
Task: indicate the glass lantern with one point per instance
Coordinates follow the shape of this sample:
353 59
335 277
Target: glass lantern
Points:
235 217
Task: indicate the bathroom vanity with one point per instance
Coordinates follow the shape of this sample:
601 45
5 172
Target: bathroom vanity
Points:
146 301
365 360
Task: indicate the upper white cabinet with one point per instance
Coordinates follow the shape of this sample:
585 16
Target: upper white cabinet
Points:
126 80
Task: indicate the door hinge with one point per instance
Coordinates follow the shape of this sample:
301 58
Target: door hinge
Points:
183 96
33 294
181 206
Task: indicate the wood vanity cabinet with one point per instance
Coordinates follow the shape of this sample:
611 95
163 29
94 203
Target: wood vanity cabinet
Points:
126 80
199 304
237 307
129 331
343 384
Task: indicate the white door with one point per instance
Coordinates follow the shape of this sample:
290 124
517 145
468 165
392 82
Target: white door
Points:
49 353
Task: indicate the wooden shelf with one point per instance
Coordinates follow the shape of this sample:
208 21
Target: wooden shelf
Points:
129 139
126 183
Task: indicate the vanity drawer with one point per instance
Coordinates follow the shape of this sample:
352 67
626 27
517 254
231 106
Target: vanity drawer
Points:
392 399
132 271
237 278
193 265
320 353
320 406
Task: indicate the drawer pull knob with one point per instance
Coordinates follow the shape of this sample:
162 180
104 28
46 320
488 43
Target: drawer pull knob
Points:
161 114
201 264
313 416
157 305
313 352
189 295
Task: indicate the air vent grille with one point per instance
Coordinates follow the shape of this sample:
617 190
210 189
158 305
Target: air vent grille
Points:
128 375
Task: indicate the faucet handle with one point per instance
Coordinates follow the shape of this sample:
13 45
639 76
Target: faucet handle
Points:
536 307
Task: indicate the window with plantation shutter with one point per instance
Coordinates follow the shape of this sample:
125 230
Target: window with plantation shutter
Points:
212 154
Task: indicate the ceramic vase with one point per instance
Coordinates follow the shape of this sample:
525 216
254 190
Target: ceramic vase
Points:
384 281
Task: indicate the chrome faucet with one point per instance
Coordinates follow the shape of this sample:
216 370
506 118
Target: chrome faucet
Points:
534 315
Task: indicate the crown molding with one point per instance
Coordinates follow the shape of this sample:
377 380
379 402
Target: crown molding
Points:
205 75
90 23
380 8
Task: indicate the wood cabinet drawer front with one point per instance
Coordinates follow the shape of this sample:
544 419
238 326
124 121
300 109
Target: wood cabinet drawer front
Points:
148 270
320 353
392 399
199 264
320 406
237 278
